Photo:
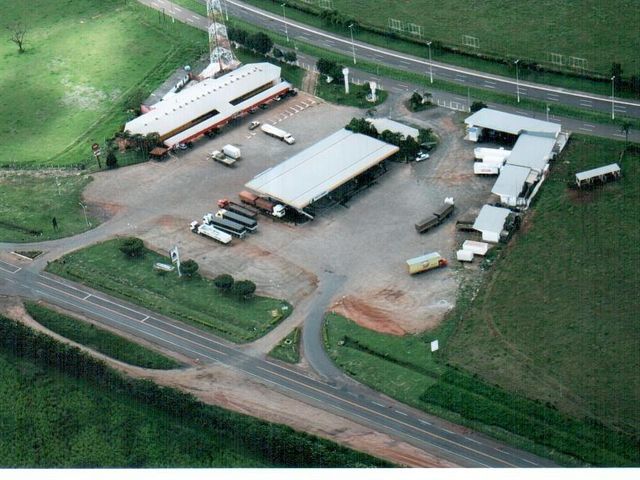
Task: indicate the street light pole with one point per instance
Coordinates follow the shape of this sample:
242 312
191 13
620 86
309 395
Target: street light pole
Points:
517 81
613 102
284 18
547 112
226 12
353 48
430 64
84 208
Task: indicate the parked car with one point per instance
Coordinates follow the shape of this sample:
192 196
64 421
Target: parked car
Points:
253 110
422 156
254 125
182 146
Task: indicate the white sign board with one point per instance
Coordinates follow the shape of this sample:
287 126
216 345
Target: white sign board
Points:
434 345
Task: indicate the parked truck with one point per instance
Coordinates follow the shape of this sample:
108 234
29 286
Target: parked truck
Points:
237 208
211 232
426 262
231 152
248 223
274 209
437 217
218 156
278 133
225 225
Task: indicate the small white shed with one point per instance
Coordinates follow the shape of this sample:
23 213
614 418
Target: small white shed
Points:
490 222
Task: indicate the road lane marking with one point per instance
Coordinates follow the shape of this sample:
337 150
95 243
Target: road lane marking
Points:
528 461
448 431
86 297
61 291
474 441
17 269
401 413
619 135
491 86
378 404
589 125
424 421
61 283
585 129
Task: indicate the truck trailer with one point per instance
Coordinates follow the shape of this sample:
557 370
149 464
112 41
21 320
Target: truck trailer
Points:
211 232
237 208
426 262
278 133
220 157
262 204
437 217
225 225
231 152
248 223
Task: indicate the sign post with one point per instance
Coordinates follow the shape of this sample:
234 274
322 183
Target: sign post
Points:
96 153
175 258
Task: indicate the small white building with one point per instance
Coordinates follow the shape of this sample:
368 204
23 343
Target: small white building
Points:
490 222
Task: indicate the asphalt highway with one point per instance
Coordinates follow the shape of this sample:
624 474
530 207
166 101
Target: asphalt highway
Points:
352 401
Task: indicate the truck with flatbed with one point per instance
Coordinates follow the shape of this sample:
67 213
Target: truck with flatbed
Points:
220 157
437 217
262 204
278 133
426 262
225 225
237 208
250 224
211 232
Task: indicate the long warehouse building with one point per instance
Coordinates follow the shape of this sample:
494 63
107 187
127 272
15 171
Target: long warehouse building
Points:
211 104
315 172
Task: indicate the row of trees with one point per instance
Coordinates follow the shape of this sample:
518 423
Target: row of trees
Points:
259 42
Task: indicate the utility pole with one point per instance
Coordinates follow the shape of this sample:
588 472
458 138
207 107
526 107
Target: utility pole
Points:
353 48
613 102
517 81
430 64
84 208
284 18
547 112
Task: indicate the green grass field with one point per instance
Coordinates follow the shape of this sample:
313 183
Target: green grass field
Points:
194 300
61 408
101 340
528 30
288 350
558 318
83 61
28 204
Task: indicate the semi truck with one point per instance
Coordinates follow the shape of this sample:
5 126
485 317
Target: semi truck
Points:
248 223
218 156
237 208
231 152
225 225
437 217
277 133
262 204
426 262
211 232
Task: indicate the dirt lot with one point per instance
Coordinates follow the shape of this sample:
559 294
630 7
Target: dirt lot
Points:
366 243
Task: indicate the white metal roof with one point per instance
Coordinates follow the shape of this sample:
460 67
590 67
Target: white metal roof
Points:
200 99
383 124
510 123
596 172
491 219
321 168
511 181
532 150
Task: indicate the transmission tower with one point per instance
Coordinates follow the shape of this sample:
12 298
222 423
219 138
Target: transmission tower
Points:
221 56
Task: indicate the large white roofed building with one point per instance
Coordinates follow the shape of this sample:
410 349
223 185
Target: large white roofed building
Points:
510 123
211 103
321 168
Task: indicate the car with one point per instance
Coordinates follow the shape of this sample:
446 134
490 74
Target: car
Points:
182 146
278 98
254 125
422 156
253 110
264 106
293 92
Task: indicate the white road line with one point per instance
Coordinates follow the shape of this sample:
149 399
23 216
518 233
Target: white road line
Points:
10 271
58 290
492 82
401 413
146 317
86 297
585 129
553 99
177 9
493 86
474 441
504 451
552 94
619 135
589 125
448 431
425 62
522 113
425 422
378 404
402 85
190 20
528 461
585 102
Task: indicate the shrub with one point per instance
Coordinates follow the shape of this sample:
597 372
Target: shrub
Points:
189 268
132 247
475 106
243 288
223 282
290 56
277 53
112 160
260 42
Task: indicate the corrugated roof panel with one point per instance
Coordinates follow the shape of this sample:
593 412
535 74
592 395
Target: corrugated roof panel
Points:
511 180
510 123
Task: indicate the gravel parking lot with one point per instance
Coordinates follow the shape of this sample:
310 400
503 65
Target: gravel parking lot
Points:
365 244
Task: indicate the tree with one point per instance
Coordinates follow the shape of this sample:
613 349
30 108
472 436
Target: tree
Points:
243 288
290 56
223 282
18 32
277 53
132 247
425 135
112 160
475 106
394 138
260 42
360 125
238 35
329 68
409 148
189 268
625 127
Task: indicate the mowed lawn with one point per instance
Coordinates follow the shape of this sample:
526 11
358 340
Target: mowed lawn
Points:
600 32
193 300
28 204
84 60
558 319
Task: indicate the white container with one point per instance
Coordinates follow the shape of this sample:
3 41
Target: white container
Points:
478 248
231 151
464 255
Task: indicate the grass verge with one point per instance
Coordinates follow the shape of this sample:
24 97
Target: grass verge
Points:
28 204
195 301
288 350
59 407
101 340
357 96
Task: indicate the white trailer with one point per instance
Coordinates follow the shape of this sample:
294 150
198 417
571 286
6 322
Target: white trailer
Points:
211 232
231 151
481 168
278 133
481 153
